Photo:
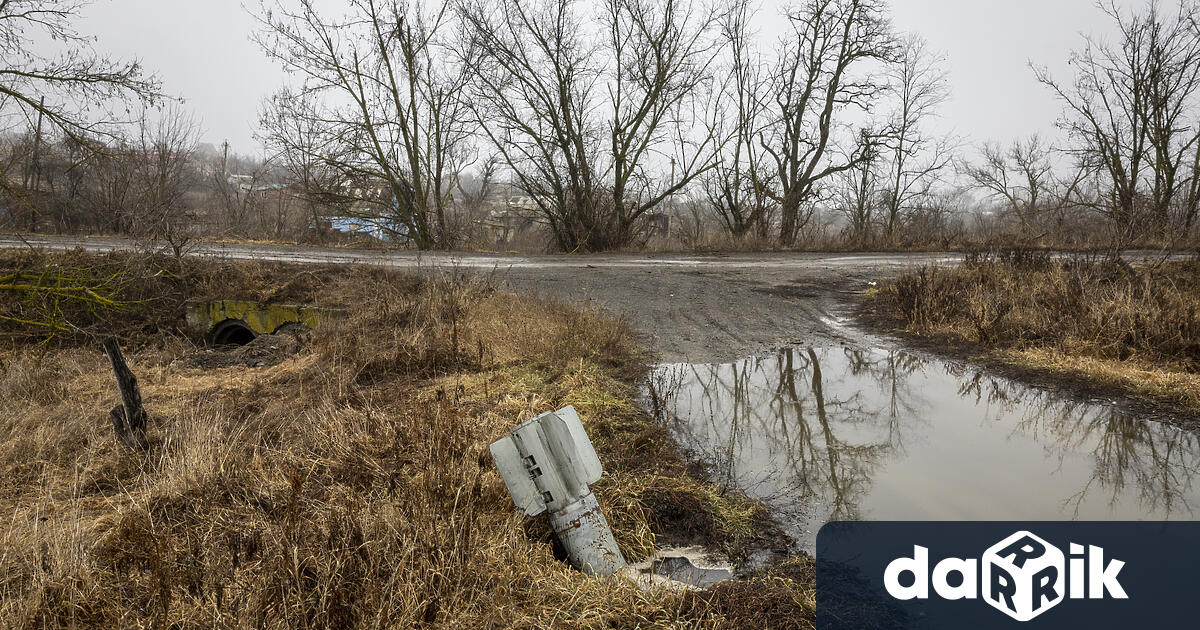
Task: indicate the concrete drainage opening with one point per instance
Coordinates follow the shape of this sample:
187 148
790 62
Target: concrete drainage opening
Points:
232 332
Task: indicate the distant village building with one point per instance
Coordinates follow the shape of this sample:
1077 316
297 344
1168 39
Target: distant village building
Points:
378 228
518 215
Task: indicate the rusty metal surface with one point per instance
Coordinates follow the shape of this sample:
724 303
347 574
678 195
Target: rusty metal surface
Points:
585 534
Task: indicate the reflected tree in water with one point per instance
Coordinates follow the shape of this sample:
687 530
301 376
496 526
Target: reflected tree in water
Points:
776 429
1156 461
810 431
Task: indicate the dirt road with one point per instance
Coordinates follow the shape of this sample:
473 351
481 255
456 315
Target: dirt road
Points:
695 308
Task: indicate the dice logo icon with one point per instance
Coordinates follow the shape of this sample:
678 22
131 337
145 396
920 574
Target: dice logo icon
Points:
1023 576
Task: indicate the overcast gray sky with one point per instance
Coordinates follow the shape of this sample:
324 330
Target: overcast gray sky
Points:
203 53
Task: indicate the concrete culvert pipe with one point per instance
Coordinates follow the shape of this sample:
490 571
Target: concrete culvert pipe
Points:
231 332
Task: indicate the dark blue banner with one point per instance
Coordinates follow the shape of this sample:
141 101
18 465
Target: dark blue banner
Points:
1007 575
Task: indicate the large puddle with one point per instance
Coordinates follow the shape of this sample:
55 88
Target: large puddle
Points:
845 434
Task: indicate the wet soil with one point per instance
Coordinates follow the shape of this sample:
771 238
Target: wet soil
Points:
715 309
714 312
263 351
702 307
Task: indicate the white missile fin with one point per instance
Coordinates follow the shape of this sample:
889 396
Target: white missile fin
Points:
561 445
511 465
587 463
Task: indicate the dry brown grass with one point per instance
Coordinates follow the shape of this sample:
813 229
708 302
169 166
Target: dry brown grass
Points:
350 485
1133 329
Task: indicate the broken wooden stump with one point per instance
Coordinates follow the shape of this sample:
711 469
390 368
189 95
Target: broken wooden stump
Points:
128 418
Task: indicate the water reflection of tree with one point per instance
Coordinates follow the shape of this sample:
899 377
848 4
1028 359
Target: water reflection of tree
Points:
891 371
1157 461
782 428
810 428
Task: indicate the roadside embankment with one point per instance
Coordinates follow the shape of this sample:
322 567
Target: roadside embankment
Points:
1099 326
347 484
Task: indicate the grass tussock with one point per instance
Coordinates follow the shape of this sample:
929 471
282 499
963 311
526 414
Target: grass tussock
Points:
349 485
1103 321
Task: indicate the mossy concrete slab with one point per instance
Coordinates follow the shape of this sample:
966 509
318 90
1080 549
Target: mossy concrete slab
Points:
263 319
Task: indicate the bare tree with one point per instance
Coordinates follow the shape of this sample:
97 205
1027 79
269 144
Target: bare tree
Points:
1191 200
738 186
472 198
588 113
534 96
857 198
1173 78
1021 177
164 172
109 190
134 183
74 92
53 184
1129 111
232 192
384 97
916 156
298 144
68 91
823 72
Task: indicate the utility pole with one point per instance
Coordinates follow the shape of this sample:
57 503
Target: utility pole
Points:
225 159
670 202
33 174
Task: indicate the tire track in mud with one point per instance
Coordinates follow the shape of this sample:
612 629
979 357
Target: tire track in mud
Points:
713 315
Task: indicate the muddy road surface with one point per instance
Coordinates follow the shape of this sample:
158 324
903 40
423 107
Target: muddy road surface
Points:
694 308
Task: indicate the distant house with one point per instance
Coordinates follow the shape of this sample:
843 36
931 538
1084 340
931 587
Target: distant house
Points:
519 214
378 228
522 203
240 183
502 225
249 186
